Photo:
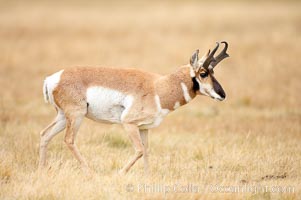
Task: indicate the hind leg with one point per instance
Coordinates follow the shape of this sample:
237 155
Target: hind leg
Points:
74 120
45 130
48 133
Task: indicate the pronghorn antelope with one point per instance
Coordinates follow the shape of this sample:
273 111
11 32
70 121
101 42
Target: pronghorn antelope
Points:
136 99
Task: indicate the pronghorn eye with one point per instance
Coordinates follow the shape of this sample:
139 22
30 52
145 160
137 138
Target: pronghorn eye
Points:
204 74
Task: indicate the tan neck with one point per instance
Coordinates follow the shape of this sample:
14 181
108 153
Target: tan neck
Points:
170 88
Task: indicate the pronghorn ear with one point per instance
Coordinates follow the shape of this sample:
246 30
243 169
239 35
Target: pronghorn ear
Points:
194 59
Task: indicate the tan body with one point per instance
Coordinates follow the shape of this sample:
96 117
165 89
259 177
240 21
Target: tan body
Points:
71 91
136 99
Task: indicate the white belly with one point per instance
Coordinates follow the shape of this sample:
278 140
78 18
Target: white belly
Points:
107 105
111 106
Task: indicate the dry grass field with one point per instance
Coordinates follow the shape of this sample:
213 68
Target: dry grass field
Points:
246 147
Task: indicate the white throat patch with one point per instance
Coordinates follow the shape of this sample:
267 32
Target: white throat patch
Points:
185 92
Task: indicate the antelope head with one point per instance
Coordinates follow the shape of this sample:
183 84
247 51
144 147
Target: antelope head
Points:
203 75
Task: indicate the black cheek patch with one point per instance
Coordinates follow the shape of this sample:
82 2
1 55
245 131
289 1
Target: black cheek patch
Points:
218 88
196 86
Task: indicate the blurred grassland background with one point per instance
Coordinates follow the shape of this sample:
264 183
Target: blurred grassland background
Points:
251 138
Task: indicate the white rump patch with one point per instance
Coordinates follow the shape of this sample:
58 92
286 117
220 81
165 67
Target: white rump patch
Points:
107 105
50 84
185 92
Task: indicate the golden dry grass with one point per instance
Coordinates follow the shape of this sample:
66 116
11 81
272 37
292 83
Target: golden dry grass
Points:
252 139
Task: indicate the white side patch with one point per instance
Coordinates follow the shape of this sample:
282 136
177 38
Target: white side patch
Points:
107 105
50 84
185 92
177 104
128 102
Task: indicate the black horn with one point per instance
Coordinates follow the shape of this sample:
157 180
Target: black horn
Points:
223 54
210 58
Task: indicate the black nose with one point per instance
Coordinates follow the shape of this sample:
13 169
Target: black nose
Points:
218 89
222 94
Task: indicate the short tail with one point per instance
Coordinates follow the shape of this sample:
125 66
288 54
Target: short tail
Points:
50 83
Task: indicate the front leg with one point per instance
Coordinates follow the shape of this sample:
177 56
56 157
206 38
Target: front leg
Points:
144 137
134 135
